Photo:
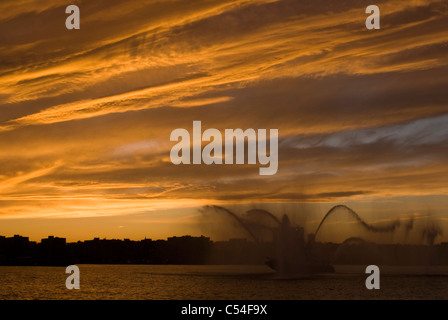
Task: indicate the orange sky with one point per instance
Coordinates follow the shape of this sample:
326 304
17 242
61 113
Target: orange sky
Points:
86 115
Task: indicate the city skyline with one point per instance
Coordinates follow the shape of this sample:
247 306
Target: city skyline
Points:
188 250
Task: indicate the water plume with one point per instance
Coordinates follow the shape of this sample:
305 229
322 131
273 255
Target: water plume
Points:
238 219
259 212
387 228
290 254
431 232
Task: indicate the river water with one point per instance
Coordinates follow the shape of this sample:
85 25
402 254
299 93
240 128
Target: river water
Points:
180 282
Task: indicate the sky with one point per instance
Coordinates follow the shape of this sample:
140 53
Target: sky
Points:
86 115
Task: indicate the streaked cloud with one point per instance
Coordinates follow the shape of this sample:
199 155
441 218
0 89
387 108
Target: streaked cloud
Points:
86 114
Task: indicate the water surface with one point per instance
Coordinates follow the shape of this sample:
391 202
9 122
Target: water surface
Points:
208 282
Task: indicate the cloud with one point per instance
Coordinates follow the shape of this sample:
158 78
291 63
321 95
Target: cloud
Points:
86 115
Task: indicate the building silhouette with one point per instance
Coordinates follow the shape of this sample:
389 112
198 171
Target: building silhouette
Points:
55 251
